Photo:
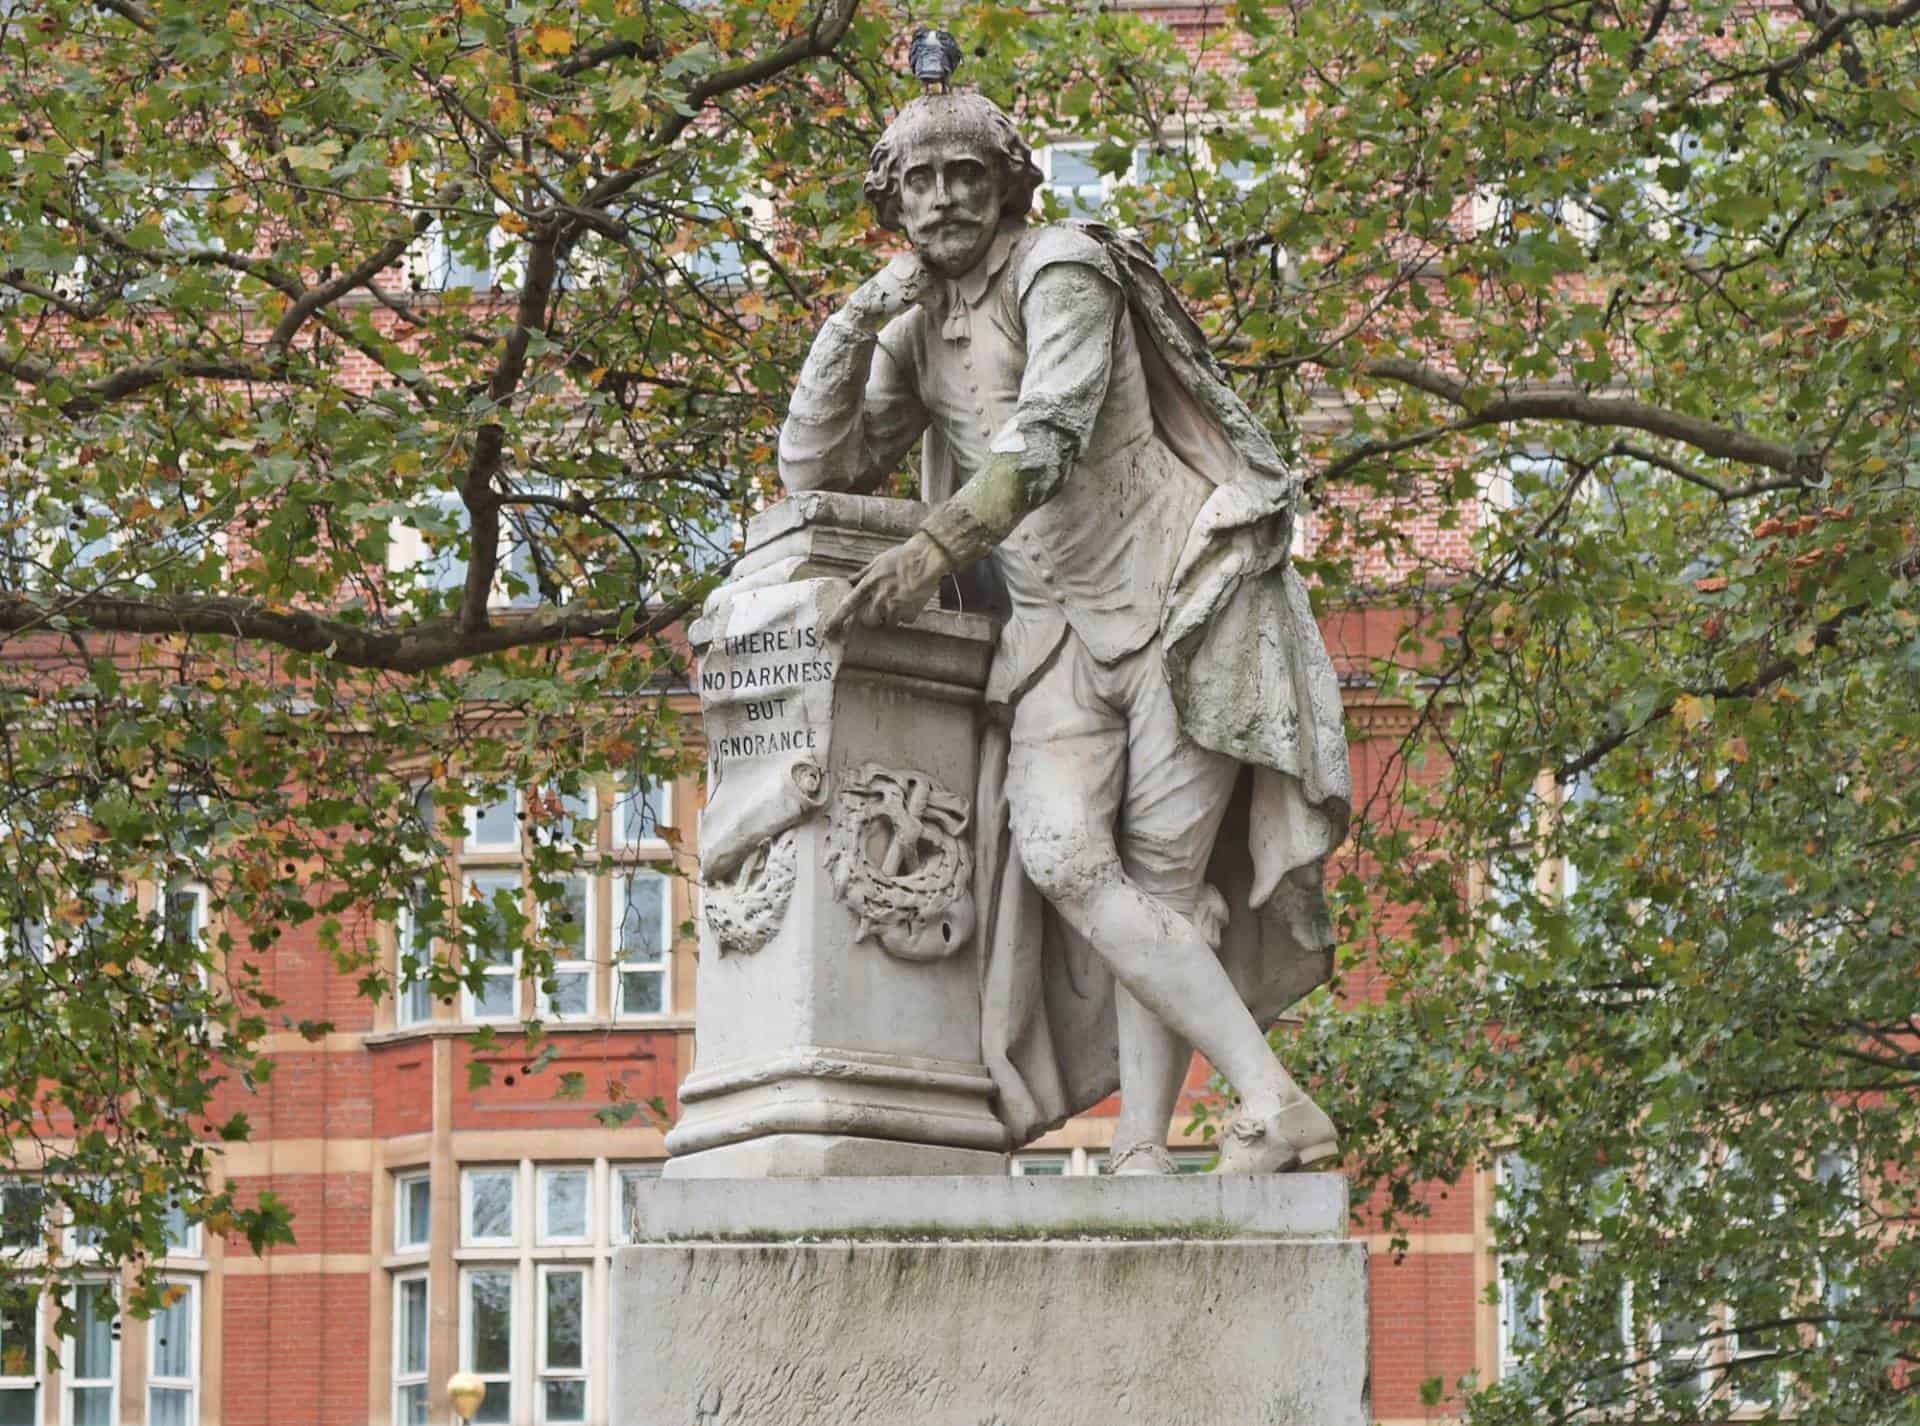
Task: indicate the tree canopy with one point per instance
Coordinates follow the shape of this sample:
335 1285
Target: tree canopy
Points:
372 382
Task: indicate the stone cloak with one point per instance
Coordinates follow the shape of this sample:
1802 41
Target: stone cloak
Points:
1250 678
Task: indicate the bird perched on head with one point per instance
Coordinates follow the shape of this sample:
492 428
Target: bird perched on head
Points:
933 55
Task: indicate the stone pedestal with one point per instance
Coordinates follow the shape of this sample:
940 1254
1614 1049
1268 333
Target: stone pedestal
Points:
838 1021
1179 1301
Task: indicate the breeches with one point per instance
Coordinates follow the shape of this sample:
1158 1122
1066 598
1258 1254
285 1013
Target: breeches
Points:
1101 782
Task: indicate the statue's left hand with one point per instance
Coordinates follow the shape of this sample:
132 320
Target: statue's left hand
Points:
894 588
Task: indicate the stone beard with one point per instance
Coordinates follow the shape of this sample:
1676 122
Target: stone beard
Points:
1135 520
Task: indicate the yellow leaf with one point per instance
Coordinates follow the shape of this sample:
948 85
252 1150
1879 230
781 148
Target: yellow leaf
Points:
1692 710
783 11
550 38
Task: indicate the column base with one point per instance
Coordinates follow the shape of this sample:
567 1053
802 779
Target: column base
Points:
831 1156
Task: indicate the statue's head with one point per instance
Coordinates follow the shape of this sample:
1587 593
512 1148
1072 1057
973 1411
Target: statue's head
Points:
945 173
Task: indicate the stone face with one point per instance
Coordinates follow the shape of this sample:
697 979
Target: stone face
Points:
998 1322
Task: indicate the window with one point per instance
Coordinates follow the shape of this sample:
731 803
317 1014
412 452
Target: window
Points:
92 1359
563 1344
1072 179
571 930
1522 1309
486 1337
564 1211
414 1003
1039 1165
410 1350
642 907
488 1197
173 1357
494 826
640 810
182 1233
84 1238
412 1211
491 900
22 1207
20 1356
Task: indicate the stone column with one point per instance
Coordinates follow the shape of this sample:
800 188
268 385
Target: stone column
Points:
838 1018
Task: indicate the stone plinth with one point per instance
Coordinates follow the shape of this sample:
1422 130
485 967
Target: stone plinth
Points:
838 1023
1181 1301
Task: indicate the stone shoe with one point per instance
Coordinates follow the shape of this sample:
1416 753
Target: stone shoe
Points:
1140 1158
1298 1137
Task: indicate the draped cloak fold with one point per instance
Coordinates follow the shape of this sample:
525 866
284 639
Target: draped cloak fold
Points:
1250 678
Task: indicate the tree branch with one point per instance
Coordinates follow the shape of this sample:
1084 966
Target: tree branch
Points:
430 644
1553 404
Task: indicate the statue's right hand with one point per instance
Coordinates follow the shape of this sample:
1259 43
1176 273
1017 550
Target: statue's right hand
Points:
896 288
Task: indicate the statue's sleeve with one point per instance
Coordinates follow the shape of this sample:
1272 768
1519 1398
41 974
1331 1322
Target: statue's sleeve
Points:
855 410
1070 310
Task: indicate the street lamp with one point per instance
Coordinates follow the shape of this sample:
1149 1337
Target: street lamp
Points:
465 1392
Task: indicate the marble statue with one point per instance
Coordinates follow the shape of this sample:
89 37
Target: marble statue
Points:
1165 768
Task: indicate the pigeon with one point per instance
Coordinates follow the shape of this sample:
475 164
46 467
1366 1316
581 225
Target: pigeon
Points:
934 55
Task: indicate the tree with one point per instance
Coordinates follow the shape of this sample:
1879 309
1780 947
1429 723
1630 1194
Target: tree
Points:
378 389
1590 326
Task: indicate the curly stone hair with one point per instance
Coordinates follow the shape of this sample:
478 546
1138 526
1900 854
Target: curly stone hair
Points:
968 116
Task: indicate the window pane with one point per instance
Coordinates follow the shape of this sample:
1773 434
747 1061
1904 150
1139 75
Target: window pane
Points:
643 917
490 896
413 1405
638 815
413 1326
498 998
564 1199
571 992
490 1204
92 1406
490 1325
173 1337
20 1407
495 824
183 1236
566 1401
566 1293
642 992
17 1336
169 1406
1047 1167
93 1332
416 1209
1074 166
20 1210
569 925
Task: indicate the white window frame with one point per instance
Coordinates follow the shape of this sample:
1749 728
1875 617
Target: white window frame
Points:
70 1242
69 1381
494 1382
1040 1165
190 1384
582 964
1044 159
403 1378
468 1174
24 1184
545 1373
508 970
402 1182
662 961
544 1236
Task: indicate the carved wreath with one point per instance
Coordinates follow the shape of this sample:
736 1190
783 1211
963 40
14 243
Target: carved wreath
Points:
898 856
744 911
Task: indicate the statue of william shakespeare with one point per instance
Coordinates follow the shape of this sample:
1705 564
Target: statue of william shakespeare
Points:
1166 770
